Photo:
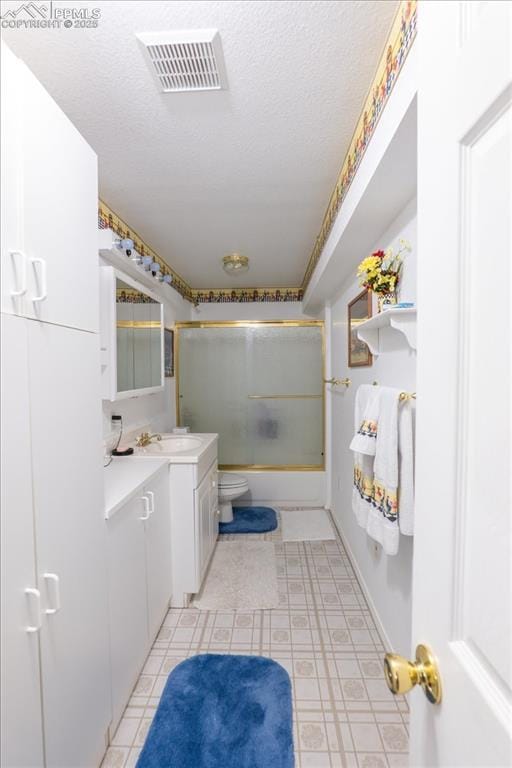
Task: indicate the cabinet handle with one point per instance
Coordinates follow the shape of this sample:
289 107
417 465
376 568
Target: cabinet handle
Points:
23 273
56 581
44 290
217 513
35 593
146 508
152 498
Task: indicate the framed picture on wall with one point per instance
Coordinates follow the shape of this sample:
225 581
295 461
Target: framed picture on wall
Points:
359 309
168 352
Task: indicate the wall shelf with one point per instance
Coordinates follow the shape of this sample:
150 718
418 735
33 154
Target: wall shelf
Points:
389 330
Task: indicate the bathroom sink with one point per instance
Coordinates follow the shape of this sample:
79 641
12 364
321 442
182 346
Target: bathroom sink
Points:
181 449
177 444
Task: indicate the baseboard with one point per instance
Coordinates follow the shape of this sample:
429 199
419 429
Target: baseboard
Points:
366 592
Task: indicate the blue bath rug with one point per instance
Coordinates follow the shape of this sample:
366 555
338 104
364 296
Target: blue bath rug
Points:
222 711
250 520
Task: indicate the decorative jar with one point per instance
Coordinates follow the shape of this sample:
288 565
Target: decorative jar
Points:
386 299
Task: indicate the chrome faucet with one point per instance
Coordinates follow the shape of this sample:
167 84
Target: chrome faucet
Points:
145 439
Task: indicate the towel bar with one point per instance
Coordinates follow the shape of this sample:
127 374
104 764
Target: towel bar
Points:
338 382
403 395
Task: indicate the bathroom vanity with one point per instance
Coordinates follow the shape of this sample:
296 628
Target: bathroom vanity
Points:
194 506
161 513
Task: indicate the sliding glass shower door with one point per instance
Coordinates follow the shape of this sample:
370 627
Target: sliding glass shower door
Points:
260 386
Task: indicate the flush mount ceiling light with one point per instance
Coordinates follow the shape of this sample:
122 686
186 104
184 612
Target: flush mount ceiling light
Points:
235 264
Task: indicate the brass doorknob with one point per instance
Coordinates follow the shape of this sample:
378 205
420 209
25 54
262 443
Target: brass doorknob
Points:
402 675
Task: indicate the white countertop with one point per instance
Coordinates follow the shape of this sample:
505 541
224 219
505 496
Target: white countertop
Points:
158 449
123 478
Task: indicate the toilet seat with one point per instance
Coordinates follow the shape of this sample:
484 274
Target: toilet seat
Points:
230 480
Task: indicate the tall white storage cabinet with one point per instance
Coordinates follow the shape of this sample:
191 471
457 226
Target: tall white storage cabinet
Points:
48 176
21 717
56 706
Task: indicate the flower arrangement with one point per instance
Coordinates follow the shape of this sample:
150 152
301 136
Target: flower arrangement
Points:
380 272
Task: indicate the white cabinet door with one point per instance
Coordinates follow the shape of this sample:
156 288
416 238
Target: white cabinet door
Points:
203 517
21 721
13 264
70 541
128 600
214 507
184 533
158 551
59 213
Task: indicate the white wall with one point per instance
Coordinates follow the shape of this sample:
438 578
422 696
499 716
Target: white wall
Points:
157 410
387 580
384 182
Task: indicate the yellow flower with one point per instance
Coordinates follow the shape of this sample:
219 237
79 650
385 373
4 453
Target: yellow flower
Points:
369 265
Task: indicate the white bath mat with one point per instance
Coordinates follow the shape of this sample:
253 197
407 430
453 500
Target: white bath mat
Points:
242 577
306 525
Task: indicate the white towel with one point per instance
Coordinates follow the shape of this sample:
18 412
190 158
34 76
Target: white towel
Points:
382 523
406 468
366 416
363 444
362 489
383 493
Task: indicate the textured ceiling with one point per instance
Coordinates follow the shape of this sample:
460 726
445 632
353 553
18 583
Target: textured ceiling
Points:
247 169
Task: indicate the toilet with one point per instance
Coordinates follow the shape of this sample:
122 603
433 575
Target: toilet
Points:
230 487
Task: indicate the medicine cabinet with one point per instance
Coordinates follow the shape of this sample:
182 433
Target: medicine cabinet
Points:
132 337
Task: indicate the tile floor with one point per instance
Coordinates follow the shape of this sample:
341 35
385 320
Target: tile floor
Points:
322 633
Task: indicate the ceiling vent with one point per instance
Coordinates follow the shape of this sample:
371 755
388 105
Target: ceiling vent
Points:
189 60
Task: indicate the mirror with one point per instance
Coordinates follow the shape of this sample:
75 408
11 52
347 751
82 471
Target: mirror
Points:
359 310
139 332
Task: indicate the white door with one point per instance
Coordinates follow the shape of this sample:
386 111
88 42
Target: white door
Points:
462 578
128 600
158 551
21 716
59 212
67 459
